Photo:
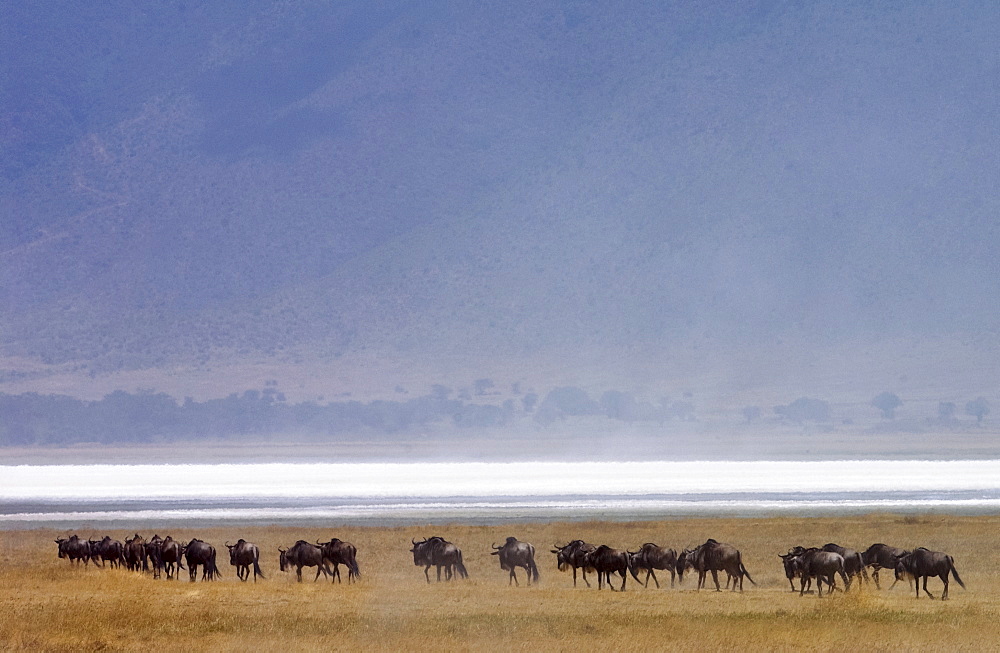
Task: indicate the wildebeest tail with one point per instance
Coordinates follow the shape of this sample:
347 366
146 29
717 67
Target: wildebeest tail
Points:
533 570
461 566
215 567
743 570
954 572
256 569
352 564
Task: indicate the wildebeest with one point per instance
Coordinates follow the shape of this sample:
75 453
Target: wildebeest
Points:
650 557
303 554
517 554
243 555
135 554
788 561
438 552
854 566
201 553
882 556
74 549
606 561
107 550
154 552
573 555
714 557
922 563
821 565
339 552
171 556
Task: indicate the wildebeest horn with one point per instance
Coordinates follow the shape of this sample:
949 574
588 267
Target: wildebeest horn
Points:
495 547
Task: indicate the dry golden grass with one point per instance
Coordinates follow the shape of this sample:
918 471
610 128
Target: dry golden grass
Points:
45 604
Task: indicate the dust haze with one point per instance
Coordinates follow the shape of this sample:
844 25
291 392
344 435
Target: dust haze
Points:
536 231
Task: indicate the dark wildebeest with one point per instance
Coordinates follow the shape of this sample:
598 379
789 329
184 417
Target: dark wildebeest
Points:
201 553
854 566
438 552
243 555
135 554
650 557
788 561
922 563
75 549
339 552
108 550
154 552
714 557
882 556
517 554
303 554
606 561
821 565
573 555
171 555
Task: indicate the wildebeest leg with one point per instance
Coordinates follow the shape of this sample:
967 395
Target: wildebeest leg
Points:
944 577
427 574
583 573
624 573
875 577
715 577
193 572
650 574
926 578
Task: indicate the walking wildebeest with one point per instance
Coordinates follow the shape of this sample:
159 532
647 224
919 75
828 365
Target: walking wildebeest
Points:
303 554
606 561
882 556
438 552
75 549
714 557
854 565
573 555
788 561
135 554
108 550
201 553
819 564
517 554
922 563
243 555
171 555
339 552
153 550
650 557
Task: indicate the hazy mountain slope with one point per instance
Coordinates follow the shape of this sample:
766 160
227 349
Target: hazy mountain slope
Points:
515 181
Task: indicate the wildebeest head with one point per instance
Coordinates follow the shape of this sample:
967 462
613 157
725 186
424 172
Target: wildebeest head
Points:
571 554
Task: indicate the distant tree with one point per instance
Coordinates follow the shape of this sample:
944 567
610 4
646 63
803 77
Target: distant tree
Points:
619 405
946 411
805 409
572 401
440 392
482 386
887 402
978 408
751 413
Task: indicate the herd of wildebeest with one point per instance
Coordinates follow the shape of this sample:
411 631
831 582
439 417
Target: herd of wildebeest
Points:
166 555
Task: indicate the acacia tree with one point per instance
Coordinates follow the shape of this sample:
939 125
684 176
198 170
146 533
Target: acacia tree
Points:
887 402
978 408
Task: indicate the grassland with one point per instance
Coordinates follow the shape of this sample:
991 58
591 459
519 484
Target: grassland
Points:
46 604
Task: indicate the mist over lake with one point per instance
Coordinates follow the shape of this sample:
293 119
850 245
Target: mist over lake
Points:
381 493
